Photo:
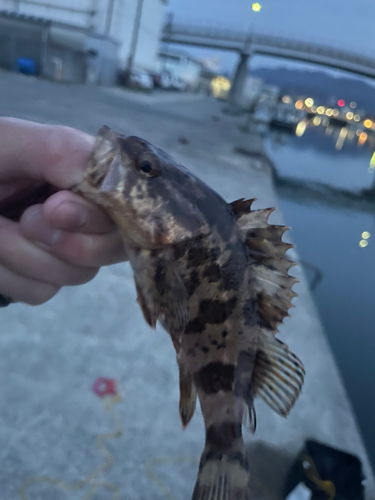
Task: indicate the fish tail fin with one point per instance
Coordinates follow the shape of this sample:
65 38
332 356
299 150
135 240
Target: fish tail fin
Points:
223 475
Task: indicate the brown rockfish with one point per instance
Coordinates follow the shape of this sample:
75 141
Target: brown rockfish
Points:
215 276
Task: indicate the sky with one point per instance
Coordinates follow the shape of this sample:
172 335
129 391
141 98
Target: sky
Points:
348 24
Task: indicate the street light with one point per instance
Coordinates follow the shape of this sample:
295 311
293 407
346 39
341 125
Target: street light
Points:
256 8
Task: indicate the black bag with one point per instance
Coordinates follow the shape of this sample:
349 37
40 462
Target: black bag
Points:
329 473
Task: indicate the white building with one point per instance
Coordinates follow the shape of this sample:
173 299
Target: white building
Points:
112 18
181 67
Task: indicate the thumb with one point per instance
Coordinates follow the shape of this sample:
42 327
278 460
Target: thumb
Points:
43 153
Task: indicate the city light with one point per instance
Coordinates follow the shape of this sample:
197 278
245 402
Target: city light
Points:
286 99
320 110
353 105
372 161
363 243
329 112
317 121
309 102
362 138
366 235
368 123
220 86
349 115
341 138
300 129
336 112
256 7
299 104
357 118
313 109
341 103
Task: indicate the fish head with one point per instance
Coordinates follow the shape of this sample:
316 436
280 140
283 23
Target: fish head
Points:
154 201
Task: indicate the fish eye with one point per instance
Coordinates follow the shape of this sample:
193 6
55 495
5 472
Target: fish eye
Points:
146 167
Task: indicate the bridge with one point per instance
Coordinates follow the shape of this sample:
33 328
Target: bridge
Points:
248 44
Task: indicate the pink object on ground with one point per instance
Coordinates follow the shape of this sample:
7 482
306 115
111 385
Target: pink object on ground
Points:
104 387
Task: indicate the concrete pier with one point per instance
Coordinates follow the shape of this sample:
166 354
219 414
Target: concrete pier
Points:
50 355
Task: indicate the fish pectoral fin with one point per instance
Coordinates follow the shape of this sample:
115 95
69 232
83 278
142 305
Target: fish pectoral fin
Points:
188 395
149 310
278 375
173 300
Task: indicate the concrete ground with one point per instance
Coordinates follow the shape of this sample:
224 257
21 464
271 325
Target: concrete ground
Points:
50 355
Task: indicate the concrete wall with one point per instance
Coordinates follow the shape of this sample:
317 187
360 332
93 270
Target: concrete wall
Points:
61 52
20 39
150 29
106 62
94 13
66 11
64 64
122 26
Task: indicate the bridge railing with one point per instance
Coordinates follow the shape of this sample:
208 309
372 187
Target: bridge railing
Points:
173 30
207 32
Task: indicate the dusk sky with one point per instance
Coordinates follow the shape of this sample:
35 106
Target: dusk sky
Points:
349 24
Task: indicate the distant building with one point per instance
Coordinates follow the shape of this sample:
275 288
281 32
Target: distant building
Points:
90 37
182 68
251 91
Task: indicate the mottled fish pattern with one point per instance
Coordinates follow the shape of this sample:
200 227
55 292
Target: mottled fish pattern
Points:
215 276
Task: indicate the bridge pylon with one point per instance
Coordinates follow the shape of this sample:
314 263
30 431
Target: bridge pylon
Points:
238 82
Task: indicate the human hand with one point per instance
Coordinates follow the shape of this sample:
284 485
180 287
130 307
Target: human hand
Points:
62 240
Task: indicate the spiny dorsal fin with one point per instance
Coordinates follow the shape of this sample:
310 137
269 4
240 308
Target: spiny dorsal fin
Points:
270 268
241 206
278 375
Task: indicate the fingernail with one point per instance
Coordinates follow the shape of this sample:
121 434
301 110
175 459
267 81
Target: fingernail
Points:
69 215
36 228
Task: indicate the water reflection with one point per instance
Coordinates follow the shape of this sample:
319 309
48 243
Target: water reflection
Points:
328 198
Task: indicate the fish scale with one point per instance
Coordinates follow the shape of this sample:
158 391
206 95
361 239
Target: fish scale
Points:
216 277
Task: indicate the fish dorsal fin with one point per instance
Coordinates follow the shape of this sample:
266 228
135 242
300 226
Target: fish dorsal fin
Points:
278 375
273 285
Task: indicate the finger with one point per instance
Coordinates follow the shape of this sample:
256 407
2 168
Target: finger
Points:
47 153
22 289
92 250
25 258
65 210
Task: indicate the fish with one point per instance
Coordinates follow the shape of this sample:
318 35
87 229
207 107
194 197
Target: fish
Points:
215 276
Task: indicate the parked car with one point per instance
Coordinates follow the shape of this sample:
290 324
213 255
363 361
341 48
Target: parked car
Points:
156 77
178 83
162 80
165 81
140 79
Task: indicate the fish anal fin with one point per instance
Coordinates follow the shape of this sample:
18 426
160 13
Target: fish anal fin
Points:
188 394
278 375
250 418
